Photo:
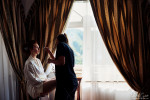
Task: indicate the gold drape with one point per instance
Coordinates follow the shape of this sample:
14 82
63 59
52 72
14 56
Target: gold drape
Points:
13 33
125 28
43 23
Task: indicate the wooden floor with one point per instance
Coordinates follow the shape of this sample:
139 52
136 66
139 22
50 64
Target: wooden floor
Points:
103 91
107 91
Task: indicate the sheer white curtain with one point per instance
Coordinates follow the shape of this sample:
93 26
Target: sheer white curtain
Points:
98 66
7 76
101 78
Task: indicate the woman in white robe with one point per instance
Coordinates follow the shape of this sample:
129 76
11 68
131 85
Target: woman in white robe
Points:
37 82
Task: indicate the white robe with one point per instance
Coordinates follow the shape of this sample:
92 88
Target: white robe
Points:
34 76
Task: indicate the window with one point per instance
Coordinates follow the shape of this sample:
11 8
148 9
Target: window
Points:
75 32
91 56
76 42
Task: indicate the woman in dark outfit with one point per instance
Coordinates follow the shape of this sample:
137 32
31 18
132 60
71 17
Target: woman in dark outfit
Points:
65 76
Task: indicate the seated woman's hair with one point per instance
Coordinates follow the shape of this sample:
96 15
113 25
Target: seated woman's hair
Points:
29 45
62 38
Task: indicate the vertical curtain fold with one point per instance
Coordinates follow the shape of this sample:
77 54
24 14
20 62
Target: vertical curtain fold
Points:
125 28
13 33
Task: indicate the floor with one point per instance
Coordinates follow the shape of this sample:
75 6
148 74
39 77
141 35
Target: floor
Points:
103 91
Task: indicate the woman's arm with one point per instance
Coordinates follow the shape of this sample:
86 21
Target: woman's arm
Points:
59 61
49 52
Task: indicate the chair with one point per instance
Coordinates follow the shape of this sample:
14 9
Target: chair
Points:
78 89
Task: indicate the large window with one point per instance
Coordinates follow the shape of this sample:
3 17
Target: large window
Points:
101 79
75 31
91 56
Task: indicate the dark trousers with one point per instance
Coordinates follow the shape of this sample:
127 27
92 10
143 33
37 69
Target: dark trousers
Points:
65 93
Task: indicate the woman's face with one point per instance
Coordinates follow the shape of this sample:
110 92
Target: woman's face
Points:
36 49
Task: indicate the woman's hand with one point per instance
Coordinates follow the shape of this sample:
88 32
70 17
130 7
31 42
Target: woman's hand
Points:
47 49
59 61
50 60
50 53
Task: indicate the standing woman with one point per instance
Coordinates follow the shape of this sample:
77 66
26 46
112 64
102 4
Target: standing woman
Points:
66 81
37 82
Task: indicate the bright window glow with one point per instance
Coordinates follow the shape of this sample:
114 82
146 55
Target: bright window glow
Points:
91 56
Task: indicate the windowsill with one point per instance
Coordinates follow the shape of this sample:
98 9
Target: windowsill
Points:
78 70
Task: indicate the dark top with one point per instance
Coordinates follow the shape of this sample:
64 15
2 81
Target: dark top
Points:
65 74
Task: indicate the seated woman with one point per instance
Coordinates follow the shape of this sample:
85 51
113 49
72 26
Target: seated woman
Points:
37 82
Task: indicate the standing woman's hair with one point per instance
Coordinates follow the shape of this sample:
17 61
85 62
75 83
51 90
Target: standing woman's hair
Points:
63 38
28 46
